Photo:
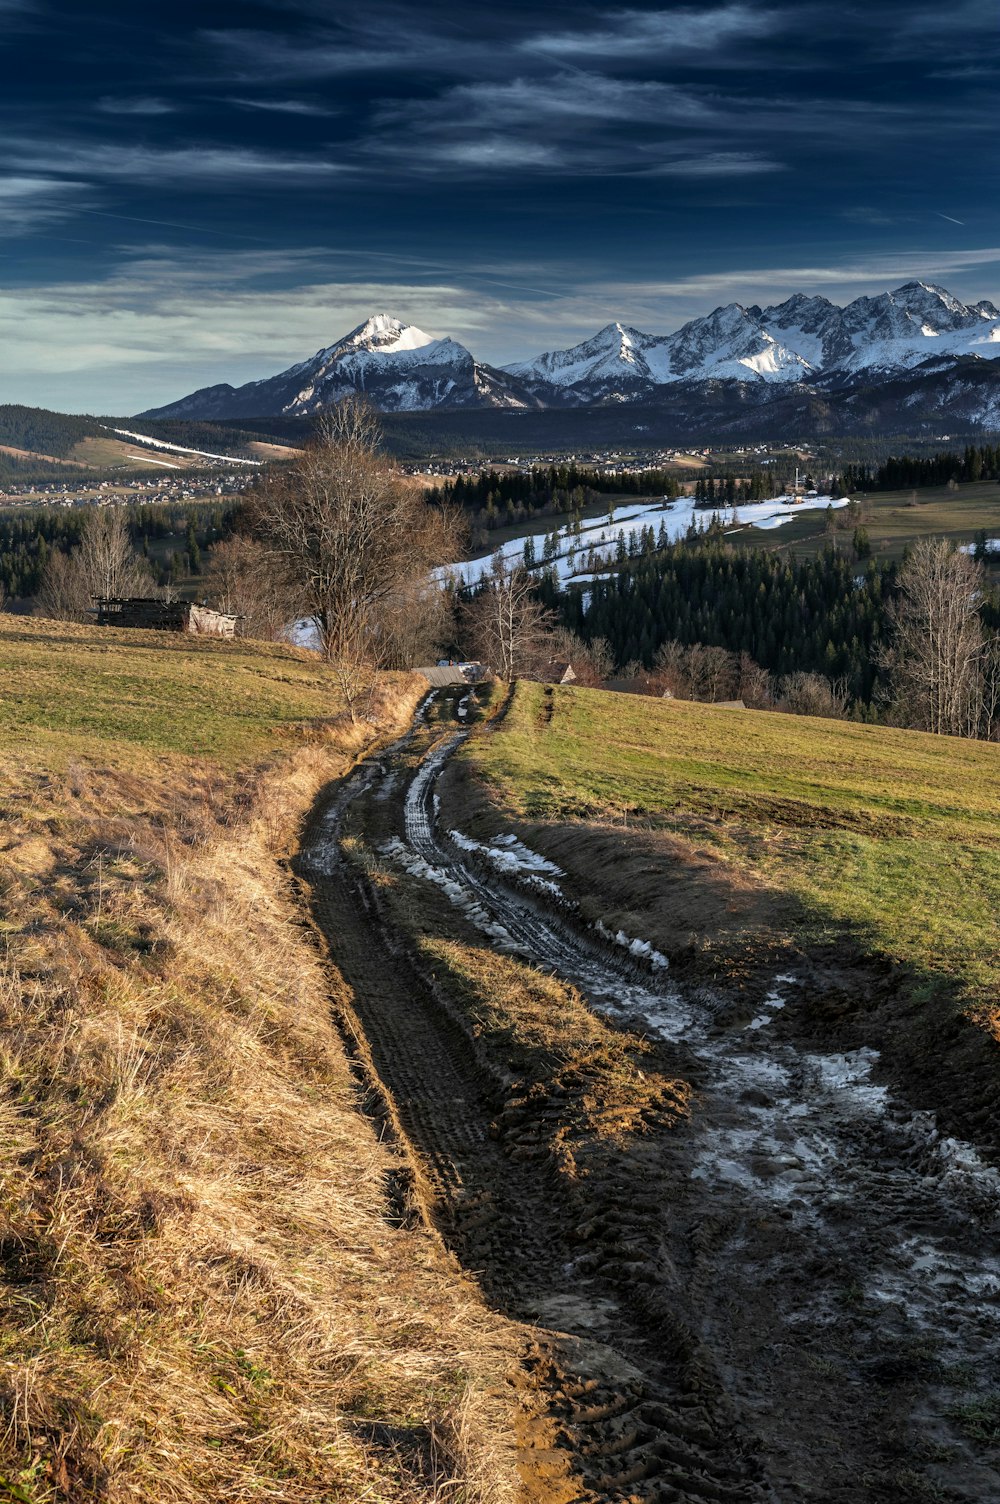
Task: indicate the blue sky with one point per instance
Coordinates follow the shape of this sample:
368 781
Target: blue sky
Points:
209 191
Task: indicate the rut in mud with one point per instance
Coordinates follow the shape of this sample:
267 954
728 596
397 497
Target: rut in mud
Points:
793 1296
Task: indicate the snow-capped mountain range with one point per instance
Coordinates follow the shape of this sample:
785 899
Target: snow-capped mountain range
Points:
396 365
806 341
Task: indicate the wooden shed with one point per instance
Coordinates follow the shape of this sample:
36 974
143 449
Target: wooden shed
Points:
165 616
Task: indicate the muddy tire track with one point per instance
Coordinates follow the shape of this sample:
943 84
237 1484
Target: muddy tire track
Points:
796 1301
617 1402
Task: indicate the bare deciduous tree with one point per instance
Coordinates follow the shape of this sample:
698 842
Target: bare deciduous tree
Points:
936 656
417 619
244 579
989 725
812 694
756 685
103 566
670 670
110 565
354 536
62 594
592 662
506 623
712 672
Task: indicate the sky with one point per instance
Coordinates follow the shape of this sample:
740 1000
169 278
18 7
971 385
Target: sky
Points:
207 191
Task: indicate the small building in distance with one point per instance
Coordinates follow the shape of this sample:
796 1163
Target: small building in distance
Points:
165 616
449 671
557 673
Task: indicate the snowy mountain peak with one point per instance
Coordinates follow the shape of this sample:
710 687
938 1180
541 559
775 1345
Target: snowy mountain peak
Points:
382 332
803 340
934 304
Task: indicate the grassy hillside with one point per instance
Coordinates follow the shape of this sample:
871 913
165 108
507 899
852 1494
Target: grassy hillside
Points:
894 521
135 698
206 1289
719 832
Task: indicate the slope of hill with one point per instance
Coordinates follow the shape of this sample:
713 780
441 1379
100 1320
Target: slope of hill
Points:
39 445
772 835
207 1286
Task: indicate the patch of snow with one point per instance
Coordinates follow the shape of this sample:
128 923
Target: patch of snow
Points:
642 950
144 438
304 633
457 893
597 542
508 854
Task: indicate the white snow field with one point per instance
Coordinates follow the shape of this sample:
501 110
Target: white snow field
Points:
597 542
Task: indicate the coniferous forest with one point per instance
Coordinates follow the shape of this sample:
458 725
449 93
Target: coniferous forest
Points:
822 615
977 462
173 537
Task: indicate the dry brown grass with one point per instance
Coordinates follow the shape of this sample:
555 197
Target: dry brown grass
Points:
549 1038
204 1294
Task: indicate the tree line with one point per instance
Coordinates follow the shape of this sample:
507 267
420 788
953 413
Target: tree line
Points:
900 471
730 489
823 615
28 540
500 498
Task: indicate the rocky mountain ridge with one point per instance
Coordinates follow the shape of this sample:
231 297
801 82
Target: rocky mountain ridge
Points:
918 330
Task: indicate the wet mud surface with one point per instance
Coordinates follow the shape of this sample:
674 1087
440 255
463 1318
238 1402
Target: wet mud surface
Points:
790 1293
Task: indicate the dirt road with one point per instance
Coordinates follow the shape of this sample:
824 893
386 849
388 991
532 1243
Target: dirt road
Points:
793 1295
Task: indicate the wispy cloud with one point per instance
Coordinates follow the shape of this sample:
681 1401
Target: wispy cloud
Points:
335 51
284 106
521 103
951 20
576 123
29 204
653 35
193 165
140 105
717 164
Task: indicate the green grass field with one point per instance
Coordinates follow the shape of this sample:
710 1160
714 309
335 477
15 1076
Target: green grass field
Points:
128 698
894 521
890 837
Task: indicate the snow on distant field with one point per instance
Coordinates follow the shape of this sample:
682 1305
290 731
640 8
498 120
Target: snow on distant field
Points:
597 542
992 546
205 454
304 633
